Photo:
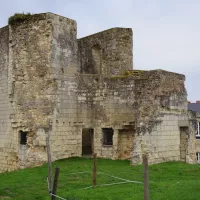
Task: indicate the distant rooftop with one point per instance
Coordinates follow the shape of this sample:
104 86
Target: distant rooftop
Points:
194 107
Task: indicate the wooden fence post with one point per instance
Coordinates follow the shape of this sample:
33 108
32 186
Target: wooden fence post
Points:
55 183
146 177
94 170
49 161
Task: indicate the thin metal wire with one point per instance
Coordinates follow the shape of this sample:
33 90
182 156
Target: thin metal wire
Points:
57 196
51 193
120 178
109 176
80 172
108 184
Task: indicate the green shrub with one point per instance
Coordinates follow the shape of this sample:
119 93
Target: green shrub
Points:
18 17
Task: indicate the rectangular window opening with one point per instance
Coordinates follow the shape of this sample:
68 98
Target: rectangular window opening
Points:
108 136
23 137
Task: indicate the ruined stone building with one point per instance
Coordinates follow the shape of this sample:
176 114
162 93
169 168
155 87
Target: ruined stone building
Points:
87 96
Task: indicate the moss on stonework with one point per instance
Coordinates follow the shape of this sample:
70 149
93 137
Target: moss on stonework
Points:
28 17
119 76
18 17
138 73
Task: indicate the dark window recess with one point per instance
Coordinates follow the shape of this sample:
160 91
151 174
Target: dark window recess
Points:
23 138
197 136
107 136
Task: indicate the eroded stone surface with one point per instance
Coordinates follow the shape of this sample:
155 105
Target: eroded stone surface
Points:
53 83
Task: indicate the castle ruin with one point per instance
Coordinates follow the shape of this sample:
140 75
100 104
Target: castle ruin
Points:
87 96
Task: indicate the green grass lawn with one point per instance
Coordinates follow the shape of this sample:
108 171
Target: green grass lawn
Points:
168 181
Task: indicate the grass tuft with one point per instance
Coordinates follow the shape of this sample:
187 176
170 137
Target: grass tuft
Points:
18 17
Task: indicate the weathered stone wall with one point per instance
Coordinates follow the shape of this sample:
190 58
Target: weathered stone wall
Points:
162 103
66 136
155 91
163 142
150 105
85 100
115 51
191 138
102 95
106 105
197 145
7 155
57 84
33 88
197 139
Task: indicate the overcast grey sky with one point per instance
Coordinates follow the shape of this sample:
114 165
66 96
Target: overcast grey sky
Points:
166 32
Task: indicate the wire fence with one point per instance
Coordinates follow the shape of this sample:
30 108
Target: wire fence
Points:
83 179
72 182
